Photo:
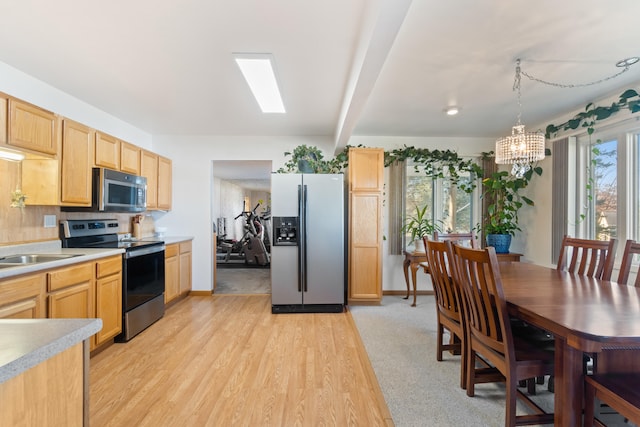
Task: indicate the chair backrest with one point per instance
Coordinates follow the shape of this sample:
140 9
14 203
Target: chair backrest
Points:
630 248
446 290
592 258
477 273
466 238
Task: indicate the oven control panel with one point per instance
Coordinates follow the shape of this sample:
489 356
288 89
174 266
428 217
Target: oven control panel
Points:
80 227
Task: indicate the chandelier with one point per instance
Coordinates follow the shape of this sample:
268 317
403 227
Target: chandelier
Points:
521 148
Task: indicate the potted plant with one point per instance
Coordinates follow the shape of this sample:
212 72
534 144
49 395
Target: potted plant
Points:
501 220
418 225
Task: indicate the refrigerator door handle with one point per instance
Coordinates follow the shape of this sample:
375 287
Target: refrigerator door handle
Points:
300 246
303 235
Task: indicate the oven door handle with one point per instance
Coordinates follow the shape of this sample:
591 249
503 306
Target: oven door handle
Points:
144 251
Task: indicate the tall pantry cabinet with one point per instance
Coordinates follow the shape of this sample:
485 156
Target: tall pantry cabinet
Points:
366 180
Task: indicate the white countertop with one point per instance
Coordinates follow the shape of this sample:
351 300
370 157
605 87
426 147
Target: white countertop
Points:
24 343
170 240
52 247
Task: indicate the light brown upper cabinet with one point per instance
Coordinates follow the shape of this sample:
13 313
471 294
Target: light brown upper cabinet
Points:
129 158
107 151
32 128
149 170
3 119
77 159
164 183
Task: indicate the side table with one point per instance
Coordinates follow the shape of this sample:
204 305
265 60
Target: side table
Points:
510 257
413 261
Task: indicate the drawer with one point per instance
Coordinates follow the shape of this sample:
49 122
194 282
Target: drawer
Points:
64 277
171 250
108 266
185 247
12 290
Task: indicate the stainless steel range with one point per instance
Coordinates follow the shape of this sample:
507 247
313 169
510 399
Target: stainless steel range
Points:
142 270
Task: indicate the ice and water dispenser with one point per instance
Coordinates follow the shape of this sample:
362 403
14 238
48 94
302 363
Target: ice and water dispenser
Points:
285 230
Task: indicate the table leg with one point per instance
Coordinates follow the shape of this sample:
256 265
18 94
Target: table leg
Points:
414 269
569 385
405 267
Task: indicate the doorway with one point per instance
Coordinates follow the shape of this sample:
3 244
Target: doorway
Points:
240 214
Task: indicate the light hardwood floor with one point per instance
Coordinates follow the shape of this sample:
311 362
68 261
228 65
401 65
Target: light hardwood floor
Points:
227 361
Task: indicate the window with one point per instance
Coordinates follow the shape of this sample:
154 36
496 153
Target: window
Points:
606 197
452 209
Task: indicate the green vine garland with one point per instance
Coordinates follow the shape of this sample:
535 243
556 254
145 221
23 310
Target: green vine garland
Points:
628 100
433 163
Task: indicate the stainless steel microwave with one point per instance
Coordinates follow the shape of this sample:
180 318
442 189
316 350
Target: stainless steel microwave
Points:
114 191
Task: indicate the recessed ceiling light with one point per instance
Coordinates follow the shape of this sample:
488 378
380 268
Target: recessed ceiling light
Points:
452 111
257 69
627 62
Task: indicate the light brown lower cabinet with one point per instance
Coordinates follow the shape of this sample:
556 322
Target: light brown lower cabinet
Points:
171 273
109 298
185 267
71 292
49 394
23 297
177 270
84 290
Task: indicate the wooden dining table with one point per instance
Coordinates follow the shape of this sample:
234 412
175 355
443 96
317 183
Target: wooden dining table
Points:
585 315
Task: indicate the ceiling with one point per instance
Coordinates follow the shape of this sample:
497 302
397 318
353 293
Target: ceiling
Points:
356 67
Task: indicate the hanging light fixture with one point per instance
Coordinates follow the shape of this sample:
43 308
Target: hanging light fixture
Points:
521 148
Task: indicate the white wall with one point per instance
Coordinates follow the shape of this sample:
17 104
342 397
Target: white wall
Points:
20 85
194 196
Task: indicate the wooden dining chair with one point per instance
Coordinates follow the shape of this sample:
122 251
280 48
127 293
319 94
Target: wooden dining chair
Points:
630 249
592 258
469 238
489 332
618 391
448 304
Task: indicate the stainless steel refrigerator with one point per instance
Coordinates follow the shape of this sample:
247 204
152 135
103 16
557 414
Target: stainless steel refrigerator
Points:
308 243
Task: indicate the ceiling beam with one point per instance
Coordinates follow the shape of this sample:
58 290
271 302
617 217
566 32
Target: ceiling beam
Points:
380 28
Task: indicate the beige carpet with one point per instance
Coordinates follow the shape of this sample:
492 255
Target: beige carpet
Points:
420 391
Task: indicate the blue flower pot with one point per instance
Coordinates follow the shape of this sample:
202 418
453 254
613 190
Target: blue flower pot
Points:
500 242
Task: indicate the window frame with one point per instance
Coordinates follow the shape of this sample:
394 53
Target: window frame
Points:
436 200
627 136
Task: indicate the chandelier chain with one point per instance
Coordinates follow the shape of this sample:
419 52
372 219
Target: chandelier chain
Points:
516 87
530 77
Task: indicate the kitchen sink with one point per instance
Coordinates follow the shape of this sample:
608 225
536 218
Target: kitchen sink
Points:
14 260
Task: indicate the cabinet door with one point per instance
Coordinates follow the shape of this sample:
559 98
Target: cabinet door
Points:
164 183
185 272
23 298
149 169
71 292
366 169
32 128
77 160
72 302
129 158
365 250
107 149
109 307
171 273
